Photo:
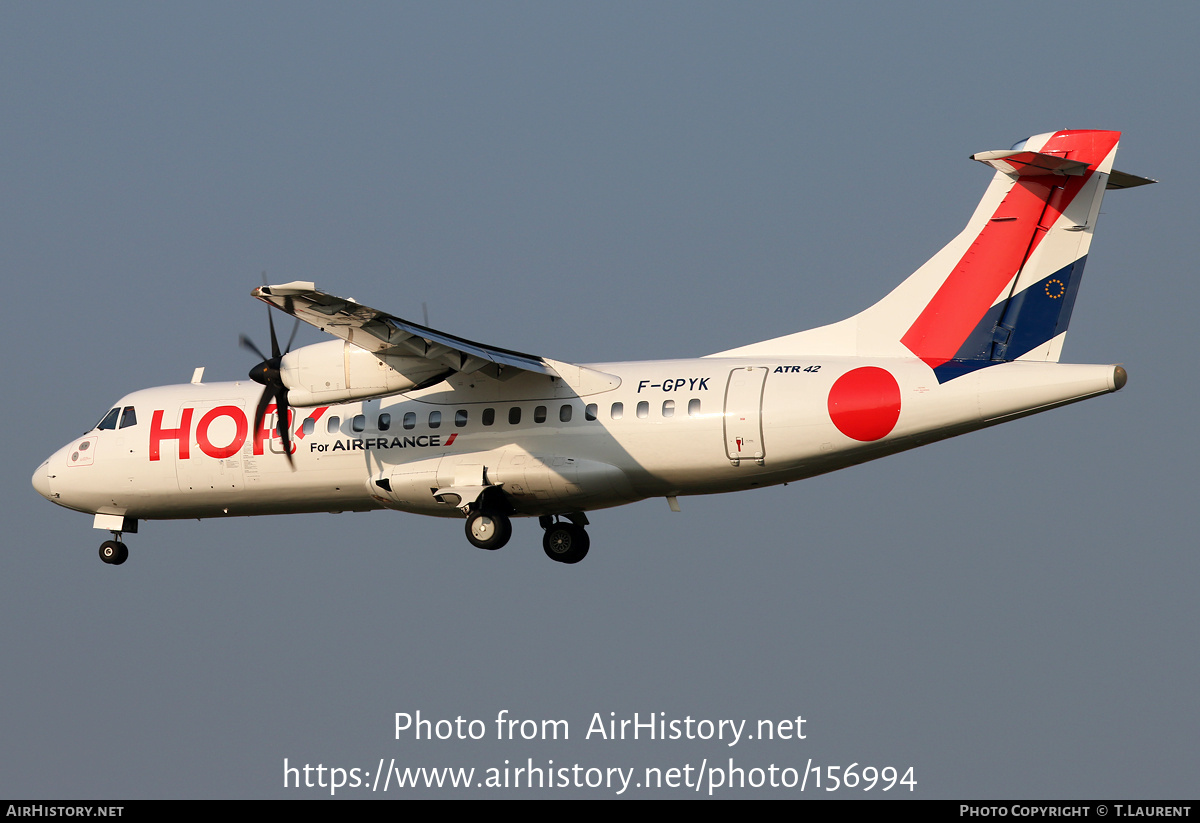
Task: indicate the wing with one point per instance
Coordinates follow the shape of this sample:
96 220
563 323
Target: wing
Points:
384 335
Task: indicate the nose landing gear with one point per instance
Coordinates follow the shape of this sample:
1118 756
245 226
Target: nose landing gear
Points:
114 552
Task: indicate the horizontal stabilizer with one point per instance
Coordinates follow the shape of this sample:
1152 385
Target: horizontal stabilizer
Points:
1124 180
1030 163
1035 164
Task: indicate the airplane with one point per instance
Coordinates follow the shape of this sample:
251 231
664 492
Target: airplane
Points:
394 415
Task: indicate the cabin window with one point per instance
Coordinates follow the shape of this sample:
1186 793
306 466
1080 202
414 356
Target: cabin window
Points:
694 407
435 419
310 426
618 411
668 408
514 415
110 420
385 422
460 418
591 412
128 417
539 414
643 410
331 426
410 420
358 422
564 413
489 417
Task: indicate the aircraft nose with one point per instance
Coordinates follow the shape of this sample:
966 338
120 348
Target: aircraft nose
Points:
41 480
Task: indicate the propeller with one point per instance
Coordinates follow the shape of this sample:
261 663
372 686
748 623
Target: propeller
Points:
267 375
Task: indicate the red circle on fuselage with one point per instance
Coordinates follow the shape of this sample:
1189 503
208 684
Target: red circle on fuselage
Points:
865 403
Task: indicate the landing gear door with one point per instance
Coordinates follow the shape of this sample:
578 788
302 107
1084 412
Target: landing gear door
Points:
743 415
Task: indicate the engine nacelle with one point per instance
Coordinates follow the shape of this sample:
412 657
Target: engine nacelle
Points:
337 371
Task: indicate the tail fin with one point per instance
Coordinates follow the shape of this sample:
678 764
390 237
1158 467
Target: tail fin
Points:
1004 288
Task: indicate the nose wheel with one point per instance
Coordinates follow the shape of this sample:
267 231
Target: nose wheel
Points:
114 552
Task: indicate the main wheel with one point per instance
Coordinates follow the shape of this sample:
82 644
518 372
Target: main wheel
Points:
488 530
113 552
566 542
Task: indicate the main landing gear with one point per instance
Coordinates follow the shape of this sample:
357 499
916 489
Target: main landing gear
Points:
114 552
488 530
564 541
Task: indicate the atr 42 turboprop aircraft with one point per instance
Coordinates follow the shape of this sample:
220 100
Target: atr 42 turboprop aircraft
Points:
395 415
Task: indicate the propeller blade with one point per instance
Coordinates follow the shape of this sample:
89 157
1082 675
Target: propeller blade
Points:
295 328
261 410
267 374
275 353
281 409
247 343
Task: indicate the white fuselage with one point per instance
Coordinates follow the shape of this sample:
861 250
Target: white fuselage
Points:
671 427
394 414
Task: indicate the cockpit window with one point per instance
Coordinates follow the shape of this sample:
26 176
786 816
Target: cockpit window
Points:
110 420
128 417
